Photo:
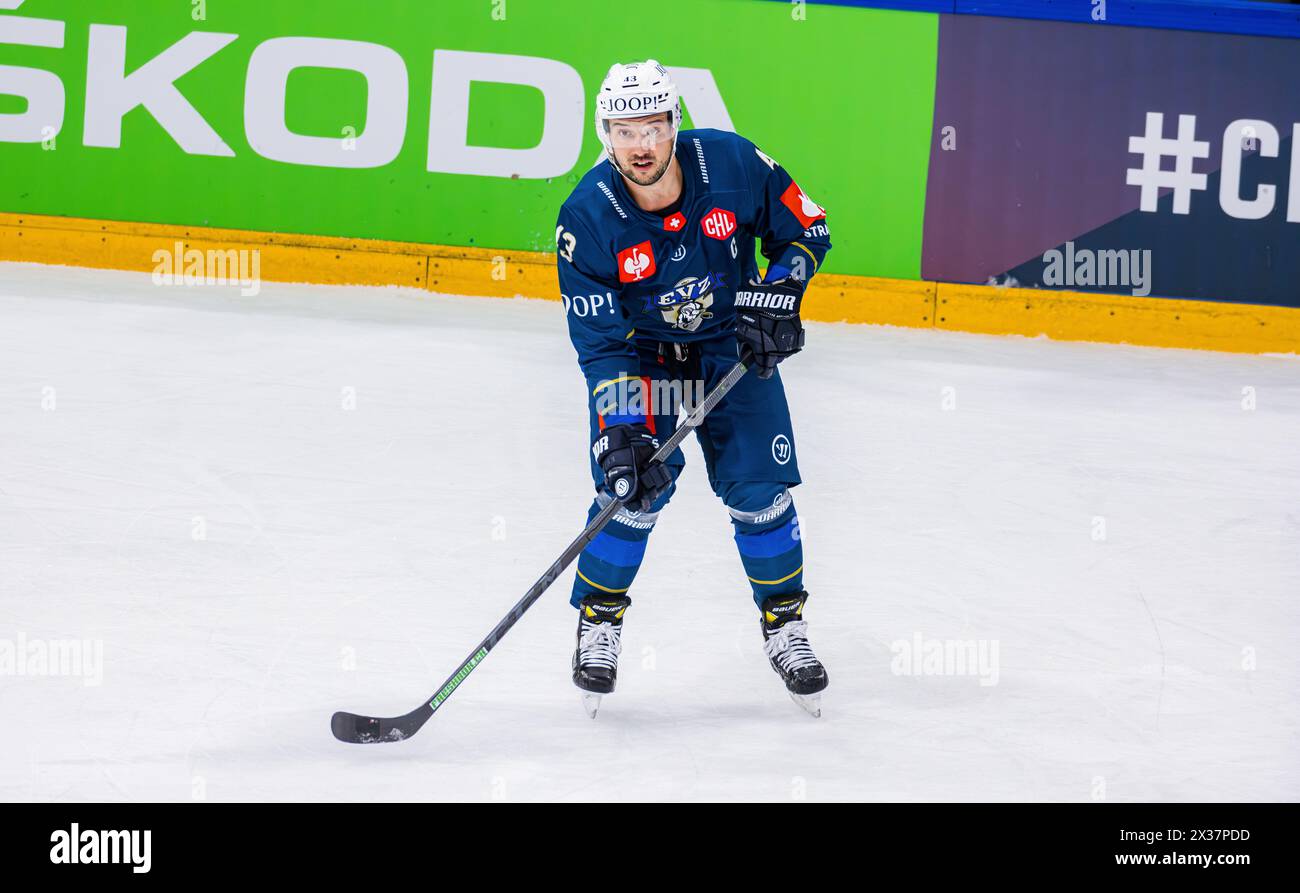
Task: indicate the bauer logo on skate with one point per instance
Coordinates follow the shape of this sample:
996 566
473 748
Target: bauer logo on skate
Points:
636 263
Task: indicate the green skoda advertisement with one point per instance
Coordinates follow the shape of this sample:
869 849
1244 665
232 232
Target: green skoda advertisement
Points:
446 122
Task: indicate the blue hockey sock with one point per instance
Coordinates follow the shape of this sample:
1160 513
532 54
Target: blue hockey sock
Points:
768 539
609 563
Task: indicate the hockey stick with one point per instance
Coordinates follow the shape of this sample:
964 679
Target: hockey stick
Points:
354 729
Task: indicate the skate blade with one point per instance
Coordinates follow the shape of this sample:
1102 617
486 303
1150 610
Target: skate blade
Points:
810 703
590 704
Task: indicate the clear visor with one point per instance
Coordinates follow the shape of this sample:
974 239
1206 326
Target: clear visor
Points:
637 134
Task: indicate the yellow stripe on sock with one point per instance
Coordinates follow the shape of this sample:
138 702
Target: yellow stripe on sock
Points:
615 591
751 579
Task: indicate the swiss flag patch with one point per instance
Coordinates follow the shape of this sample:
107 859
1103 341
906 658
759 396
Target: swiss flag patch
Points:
801 206
636 263
718 224
675 223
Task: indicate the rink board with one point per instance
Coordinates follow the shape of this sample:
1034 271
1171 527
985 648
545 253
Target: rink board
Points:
985 149
290 257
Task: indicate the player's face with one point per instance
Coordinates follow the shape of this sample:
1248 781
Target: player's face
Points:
643 147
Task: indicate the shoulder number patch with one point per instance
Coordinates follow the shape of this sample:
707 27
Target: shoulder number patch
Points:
565 241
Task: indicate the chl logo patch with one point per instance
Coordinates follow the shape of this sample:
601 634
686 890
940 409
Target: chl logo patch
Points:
719 224
636 263
801 206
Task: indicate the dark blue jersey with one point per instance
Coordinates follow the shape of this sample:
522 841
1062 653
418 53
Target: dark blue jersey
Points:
628 275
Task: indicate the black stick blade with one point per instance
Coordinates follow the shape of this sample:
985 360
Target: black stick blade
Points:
352 729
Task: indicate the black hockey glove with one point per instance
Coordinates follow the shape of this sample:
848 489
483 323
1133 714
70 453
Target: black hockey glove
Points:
767 322
623 452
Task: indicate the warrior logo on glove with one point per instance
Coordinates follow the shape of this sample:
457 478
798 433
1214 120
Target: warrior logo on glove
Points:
770 325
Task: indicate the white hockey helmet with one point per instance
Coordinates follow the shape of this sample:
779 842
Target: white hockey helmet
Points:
634 90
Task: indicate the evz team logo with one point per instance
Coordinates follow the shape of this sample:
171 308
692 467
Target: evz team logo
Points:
801 206
636 263
687 305
719 224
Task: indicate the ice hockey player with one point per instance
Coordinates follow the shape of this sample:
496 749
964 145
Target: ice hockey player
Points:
655 249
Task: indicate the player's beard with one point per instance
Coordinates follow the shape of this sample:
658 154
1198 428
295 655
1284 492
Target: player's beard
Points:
645 179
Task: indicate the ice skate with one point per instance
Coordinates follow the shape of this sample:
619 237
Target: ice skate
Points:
785 641
595 659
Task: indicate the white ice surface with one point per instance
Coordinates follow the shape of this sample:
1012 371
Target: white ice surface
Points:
353 557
